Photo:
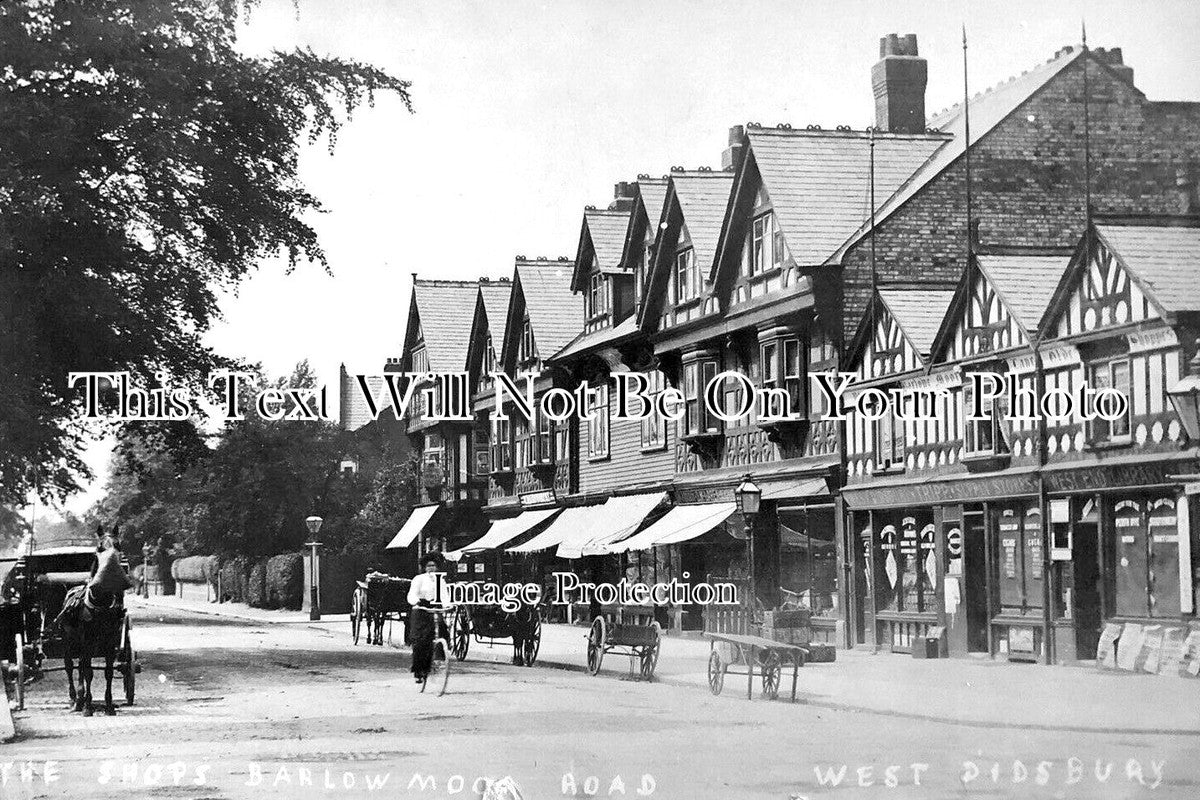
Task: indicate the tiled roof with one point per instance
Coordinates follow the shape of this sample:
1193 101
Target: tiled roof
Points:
354 412
819 182
988 109
586 341
495 296
607 229
919 311
703 197
555 312
445 309
1165 260
1025 283
654 194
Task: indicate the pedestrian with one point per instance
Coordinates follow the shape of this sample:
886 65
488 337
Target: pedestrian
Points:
423 594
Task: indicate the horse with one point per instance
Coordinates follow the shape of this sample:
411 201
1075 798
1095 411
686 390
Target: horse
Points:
91 623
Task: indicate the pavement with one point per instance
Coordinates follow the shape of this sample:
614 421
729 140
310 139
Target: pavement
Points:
976 691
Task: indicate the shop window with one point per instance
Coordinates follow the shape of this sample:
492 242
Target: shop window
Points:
1019 531
808 559
654 431
1114 375
598 424
697 417
502 445
906 562
1147 544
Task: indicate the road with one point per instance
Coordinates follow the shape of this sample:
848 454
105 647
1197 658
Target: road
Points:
234 709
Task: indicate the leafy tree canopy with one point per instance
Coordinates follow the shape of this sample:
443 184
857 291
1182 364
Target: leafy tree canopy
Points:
145 164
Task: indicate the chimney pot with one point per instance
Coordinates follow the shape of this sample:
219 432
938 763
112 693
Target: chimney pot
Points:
898 80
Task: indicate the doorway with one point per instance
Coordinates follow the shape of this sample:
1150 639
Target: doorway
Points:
1085 559
975 581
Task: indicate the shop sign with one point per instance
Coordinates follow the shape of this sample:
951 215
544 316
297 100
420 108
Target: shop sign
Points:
942 492
704 494
908 541
537 498
1020 640
954 542
1111 476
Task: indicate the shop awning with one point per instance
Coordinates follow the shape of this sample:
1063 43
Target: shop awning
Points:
504 531
412 527
619 517
569 520
680 524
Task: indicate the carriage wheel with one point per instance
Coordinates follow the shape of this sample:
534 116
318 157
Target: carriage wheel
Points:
128 665
650 654
716 673
356 614
460 633
770 669
533 641
597 637
19 683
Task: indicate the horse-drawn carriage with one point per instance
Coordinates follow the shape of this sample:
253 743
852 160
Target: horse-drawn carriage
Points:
31 597
378 599
489 623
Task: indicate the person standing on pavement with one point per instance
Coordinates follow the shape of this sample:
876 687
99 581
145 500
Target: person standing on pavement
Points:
423 593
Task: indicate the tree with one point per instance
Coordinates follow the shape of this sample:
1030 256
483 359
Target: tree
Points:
144 164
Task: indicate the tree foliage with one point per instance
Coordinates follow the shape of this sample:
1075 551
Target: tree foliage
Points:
145 164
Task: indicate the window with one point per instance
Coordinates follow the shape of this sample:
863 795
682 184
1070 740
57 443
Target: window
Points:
528 351
545 439
783 368
654 432
597 295
697 419
524 441
906 566
420 364
980 436
1021 556
808 558
686 280
489 365
889 441
1113 375
562 441
765 249
502 445
598 424
1147 540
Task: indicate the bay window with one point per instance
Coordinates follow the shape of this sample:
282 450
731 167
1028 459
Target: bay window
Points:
697 418
654 434
545 439
889 441
502 445
1111 375
980 436
783 368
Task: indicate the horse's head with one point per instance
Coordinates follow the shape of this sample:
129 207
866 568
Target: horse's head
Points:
108 541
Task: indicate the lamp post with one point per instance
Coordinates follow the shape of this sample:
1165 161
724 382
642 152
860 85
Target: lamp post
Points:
1185 396
314 605
145 569
748 496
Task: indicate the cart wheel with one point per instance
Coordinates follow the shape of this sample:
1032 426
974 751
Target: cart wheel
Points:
650 654
460 633
128 664
533 641
595 647
356 615
716 673
441 665
19 682
770 669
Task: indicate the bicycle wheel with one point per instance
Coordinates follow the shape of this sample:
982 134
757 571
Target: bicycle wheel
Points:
441 673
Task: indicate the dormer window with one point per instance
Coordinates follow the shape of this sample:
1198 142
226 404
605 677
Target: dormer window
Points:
597 295
528 351
765 249
687 278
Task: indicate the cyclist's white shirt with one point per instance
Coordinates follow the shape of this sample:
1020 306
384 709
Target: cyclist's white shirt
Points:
424 587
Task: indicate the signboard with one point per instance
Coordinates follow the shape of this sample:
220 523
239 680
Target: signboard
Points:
954 542
1130 647
1191 654
1106 650
1020 640
1170 656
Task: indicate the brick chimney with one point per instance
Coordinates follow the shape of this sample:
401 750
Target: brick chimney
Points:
898 79
731 159
1114 58
622 197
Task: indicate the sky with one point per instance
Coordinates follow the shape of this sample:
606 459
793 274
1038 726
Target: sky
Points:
527 111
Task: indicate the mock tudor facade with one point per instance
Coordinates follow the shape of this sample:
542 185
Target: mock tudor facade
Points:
1073 256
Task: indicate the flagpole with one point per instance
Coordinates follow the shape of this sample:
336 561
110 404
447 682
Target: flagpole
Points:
967 144
1087 132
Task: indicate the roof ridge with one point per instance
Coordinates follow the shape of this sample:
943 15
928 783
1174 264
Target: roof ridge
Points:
445 282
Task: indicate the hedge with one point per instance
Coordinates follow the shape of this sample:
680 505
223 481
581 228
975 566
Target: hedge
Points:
285 581
195 569
234 579
256 585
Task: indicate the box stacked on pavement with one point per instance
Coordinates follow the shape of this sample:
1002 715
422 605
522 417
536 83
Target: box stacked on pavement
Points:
790 627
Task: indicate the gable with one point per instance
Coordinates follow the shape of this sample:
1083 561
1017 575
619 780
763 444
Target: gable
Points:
888 351
1099 293
983 322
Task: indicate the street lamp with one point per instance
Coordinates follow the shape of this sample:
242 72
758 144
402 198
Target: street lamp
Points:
314 605
1185 396
748 497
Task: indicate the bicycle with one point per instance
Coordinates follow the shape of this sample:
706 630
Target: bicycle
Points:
440 665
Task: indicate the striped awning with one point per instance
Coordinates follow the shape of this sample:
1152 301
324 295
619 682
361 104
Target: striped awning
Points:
569 520
504 531
680 524
619 517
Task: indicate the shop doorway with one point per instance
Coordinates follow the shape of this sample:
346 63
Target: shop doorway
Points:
975 581
1085 559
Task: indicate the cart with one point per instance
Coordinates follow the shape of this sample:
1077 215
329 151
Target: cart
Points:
488 624
378 599
31 597
640 642
753 652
